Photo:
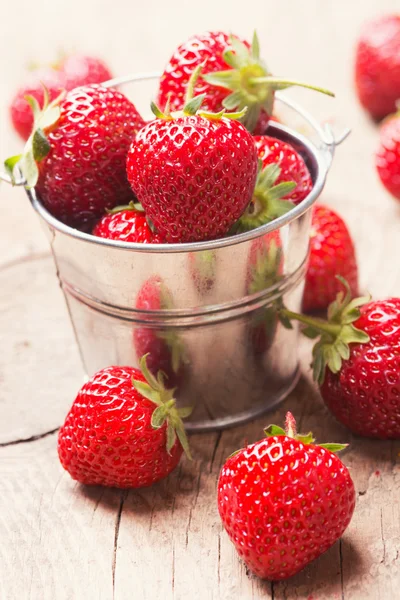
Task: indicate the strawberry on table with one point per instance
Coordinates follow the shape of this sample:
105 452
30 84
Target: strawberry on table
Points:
76 154
70 72
192 171
283 181
20 110
80 69
356 362
387 157
284 501
377 68
234 77
332 253
163 346
126 224
123 430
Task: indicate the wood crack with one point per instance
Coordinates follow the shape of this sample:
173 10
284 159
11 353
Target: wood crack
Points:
341 567
33 438
272 590
214 452
383 541
123 497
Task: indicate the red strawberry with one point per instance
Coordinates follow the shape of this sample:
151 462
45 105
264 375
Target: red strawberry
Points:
284 501
163 347
193 173
81 154
79 69
126 224
234 77
387 158
357 363
377 68
20 111
331 253
283 181
72 71
123 430
264 270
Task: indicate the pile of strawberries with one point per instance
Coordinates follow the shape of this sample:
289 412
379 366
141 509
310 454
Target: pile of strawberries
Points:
205 167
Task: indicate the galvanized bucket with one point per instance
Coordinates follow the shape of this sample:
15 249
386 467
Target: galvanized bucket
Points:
216 333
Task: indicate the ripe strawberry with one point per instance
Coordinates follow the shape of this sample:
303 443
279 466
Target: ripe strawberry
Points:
72 71
163 347
357 363
377 68
123 430
264 270
193 173
234 77
283 180
81 149
80 69
387 158
126 224
331 253
20 110
284 501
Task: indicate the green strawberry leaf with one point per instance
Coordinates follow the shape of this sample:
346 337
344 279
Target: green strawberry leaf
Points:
40 145
10 164
273 430
333 447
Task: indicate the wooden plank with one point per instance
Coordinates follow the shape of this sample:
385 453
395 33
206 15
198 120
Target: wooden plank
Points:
60 540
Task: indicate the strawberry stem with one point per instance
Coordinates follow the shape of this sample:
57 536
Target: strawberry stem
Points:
335 334
290 425
279 83
314 322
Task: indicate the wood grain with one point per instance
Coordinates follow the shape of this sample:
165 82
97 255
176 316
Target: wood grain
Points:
62 541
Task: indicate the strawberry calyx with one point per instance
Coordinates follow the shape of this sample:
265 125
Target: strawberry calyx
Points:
166 412
291 432
133 206
250 82
335 334
266 204
37 146
192 105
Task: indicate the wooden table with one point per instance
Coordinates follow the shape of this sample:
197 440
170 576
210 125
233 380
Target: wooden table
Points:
60 540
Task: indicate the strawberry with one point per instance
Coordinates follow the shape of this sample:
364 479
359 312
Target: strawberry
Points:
234 77
387 158
80 69
123 430
283 181
126 224
356 362
77 152
331 253
193 173
284 501
377 65
264 270
20 110
72 71
163 347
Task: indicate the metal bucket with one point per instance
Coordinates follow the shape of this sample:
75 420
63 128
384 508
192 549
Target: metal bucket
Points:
216 335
